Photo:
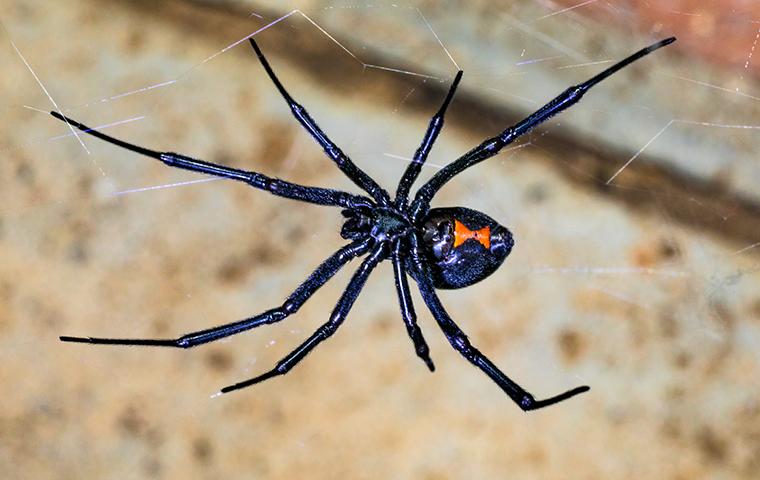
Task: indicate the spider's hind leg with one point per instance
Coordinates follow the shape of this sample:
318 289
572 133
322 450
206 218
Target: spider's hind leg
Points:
459 341
492 146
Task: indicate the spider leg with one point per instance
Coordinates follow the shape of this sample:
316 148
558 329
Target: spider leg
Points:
434 128
324 272
492 146
357 175
407 307
327 329
460 342
317 195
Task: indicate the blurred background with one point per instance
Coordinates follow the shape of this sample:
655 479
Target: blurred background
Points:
636 216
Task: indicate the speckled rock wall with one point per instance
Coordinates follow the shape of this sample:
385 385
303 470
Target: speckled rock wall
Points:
659 315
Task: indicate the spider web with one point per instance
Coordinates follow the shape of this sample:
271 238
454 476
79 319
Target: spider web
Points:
635 214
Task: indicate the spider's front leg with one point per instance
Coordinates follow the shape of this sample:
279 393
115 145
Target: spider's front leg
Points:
345 164
319 277
275 186
461 343
347 299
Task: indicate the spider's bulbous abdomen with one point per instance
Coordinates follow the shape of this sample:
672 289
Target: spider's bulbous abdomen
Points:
463 246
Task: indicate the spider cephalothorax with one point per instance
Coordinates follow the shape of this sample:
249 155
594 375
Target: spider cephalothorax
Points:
381 224
439 247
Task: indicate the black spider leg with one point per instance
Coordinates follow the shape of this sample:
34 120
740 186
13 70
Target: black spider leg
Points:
358 176
317 195
492 146
407 307
324 272
434 128
379 252
460 342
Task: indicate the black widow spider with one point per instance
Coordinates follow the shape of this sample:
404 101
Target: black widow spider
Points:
439 247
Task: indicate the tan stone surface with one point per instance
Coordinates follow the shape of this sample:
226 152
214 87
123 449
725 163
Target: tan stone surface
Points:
661 319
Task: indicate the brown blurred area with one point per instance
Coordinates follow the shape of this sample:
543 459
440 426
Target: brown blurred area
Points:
636 216
723 32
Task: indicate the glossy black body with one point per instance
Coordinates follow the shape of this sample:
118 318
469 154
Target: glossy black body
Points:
415 238
461 266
